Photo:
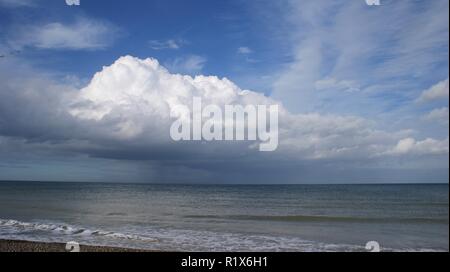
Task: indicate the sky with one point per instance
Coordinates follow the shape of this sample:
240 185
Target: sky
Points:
86 90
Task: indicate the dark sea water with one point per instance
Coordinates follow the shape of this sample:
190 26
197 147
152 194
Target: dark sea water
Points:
228 217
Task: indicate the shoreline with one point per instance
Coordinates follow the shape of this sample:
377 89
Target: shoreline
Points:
43 247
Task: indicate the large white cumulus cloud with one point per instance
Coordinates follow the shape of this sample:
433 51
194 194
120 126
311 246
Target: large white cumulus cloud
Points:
139 95
123 114
133 98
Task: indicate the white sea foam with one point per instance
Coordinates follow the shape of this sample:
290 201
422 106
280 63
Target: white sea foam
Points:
17 227
167 239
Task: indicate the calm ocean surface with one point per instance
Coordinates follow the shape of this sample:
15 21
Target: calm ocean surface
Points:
228 218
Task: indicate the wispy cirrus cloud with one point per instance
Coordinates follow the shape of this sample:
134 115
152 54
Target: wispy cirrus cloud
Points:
17 3
190 64
166 44
82 34
388 51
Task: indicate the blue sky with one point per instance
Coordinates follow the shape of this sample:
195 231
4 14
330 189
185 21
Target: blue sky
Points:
212 31
367 86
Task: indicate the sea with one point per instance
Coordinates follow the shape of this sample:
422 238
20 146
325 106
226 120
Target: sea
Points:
228 218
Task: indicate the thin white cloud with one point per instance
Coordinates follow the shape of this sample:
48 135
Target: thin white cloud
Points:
244 50
437 91
17 3
83 34
191 64
428 146
334 84
167 44
439 115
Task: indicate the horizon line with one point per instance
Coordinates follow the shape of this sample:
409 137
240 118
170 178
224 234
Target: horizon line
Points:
224 183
